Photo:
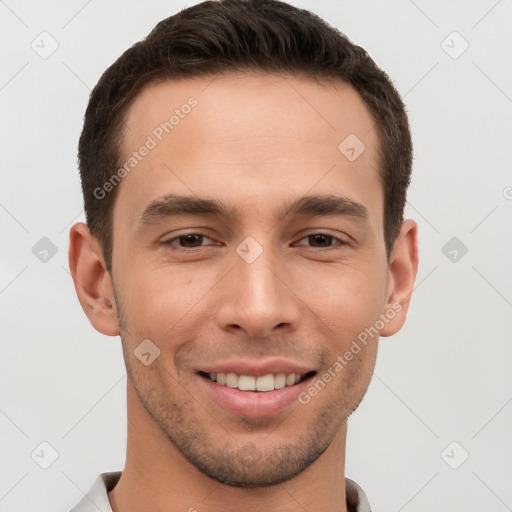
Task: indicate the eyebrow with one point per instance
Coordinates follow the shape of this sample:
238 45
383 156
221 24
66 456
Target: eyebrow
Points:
171 205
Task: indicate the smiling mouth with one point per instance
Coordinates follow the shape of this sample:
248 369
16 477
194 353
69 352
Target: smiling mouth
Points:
262 383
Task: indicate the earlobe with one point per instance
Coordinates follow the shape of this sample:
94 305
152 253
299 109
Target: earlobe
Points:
403 266
93 283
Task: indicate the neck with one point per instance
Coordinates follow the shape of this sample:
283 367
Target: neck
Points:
158 478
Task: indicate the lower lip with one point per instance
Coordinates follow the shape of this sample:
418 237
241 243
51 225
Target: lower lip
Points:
254 404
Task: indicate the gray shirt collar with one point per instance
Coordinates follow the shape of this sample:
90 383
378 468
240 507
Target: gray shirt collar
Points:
96 500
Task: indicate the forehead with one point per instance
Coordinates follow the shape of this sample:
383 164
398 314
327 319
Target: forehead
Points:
248 136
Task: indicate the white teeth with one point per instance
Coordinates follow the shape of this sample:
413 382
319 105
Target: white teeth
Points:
250 383
232 380
246 383
265 383
280 381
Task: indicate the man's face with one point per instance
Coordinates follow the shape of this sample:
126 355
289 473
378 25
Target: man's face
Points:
255 293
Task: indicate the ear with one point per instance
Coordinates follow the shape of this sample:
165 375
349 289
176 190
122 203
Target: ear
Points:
403 266
92 281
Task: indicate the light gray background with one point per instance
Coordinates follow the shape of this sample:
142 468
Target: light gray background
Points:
445 377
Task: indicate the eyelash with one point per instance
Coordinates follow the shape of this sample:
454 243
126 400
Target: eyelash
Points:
171 241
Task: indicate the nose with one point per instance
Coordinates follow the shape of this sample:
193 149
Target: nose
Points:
258 297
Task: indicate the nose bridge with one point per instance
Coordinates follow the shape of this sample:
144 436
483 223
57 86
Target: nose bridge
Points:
258 276
256 298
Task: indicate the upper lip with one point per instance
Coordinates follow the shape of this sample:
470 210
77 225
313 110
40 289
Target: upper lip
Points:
256 368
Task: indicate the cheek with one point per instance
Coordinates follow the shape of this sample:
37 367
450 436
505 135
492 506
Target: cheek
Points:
162 303
170 302
346 298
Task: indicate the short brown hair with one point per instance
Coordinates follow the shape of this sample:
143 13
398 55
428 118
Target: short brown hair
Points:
216 37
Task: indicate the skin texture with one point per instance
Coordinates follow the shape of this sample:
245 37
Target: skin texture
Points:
255 142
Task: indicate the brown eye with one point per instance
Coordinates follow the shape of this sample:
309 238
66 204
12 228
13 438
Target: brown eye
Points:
322 240
187 241
190 240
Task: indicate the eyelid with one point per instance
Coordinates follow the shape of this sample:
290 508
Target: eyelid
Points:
169 241
340 240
